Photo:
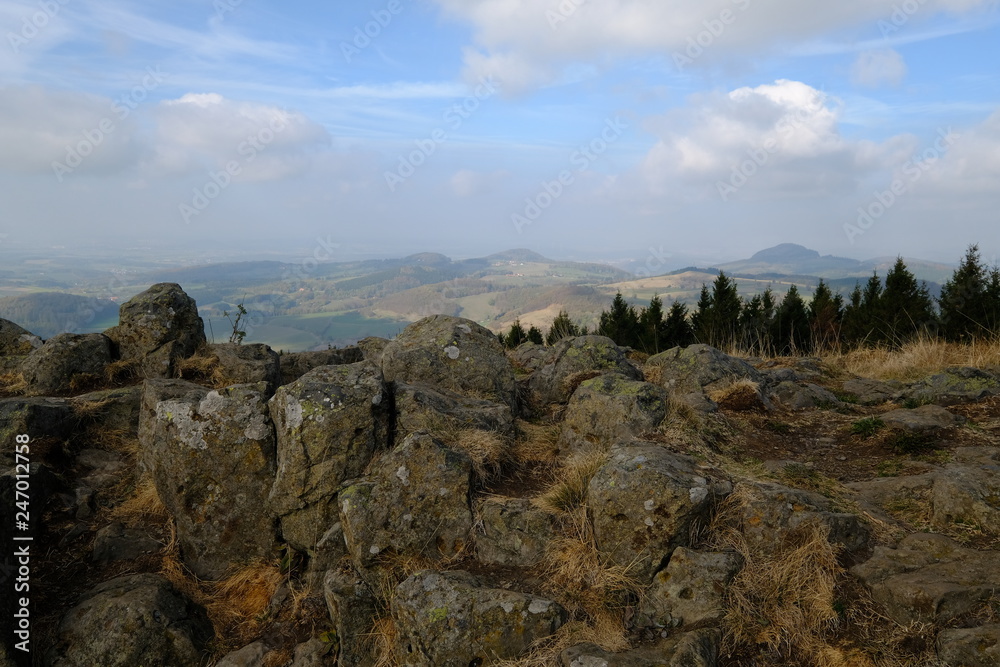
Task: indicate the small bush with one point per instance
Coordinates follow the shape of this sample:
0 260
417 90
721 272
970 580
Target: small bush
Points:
867 427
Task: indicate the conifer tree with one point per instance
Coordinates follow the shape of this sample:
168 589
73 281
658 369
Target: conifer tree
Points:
652 328
562 327
621 323
906 307
516 335
825 315
791 324
677 331
854 327
534 335
964 302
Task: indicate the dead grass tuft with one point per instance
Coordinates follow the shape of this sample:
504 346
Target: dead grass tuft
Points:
204 368
124 371
569 490
917 359
536 443
12 384
143 506
739 395
384 635
487 449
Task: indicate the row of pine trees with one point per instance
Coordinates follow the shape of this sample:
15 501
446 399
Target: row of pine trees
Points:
886 312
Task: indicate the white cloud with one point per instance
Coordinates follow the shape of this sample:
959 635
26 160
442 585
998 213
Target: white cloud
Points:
468 183
527 43
784 138
873 69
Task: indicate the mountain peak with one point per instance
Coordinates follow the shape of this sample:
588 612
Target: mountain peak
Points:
785 252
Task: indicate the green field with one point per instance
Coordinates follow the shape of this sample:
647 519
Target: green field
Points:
295 333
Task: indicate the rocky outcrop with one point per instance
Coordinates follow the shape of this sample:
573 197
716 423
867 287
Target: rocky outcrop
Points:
248 364
684 370
644 502
157 328
296 364
212 457
353 608
452 355
609 408
133 620
802 395
66 363
969 647
415 502
420 407
15 341
690 590
50 418
573 360
514 532
929 578
452 619
923 420
329 423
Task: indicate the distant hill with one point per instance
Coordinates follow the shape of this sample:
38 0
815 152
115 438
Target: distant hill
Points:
46 314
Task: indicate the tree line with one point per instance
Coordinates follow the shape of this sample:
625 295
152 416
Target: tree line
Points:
889 312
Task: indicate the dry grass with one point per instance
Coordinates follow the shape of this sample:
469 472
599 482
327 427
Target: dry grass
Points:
739 394
536 443
487 449
569 490
143 506
384 635
917 359
204 368
12 384
124 371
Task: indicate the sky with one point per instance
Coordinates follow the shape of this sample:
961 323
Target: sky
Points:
660 130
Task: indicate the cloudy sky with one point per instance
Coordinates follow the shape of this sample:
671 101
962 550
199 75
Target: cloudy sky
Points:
601 128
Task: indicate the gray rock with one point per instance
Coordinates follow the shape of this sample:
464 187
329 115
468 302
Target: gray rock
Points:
157 328
970 647
530 356
111 410
372 348
873 392
451 619
66 362
15 341
698 648
923 420
248 364
153 392
690 590
329 424
454 355
800 396
770 512
116 542
610 408
698 367
139 619
353 608
955 385
315 653
326 554
929 578
414 503
296 364
50 418
100 468
422 408
514 533
212 458
251 655
644 501
580 357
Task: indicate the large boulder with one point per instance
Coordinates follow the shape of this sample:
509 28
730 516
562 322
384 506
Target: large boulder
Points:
929 578
41 418
15 341
154 391
247 364
329 424
157 328
514 533
610 408
296 364
66 363
212 458
420 407
452 619
139 619
573 360
644 501
690 590
684 370
969 647
802 395
415 502
454 355
923 420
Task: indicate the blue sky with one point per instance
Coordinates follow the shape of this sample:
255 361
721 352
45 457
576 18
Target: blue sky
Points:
703 129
